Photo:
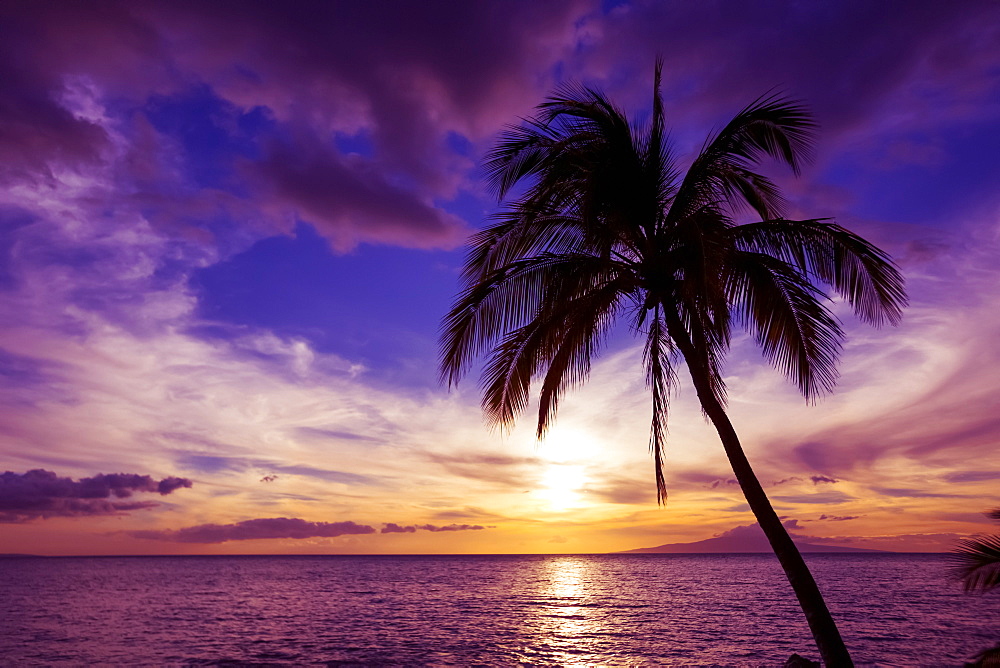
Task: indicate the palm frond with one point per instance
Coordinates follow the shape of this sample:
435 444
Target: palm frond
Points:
976 562
859 271
515 234
796 332
660 378
771 126
506 299
582 329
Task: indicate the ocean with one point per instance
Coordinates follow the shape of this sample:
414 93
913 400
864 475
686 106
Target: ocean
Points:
573 610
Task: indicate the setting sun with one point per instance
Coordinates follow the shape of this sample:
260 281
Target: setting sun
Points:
561 484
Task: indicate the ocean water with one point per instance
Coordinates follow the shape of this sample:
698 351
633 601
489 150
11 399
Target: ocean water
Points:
893 610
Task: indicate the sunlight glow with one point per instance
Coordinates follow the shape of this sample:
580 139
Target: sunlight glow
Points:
564 445
561 485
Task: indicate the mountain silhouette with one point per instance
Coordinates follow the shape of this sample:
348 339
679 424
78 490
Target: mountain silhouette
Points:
747 539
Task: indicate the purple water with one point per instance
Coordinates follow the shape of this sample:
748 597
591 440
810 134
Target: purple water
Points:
490 610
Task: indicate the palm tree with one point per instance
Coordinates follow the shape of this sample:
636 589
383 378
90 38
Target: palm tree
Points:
600 225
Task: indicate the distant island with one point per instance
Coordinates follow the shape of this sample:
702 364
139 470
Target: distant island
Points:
743 539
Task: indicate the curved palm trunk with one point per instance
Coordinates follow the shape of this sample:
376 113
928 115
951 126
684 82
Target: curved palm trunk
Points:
824 629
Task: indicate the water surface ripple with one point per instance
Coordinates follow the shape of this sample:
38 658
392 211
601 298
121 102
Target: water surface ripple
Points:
894 610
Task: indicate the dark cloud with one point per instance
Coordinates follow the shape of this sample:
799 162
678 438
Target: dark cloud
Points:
392 527
258 529
900 50
395 528
817 479
41 494
168 485
350 200
451 527
409 88
283 527
728 481
269 478
838 518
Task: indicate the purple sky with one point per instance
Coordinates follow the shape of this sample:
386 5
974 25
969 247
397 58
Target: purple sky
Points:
229 230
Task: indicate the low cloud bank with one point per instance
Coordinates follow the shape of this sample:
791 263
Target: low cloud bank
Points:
395 528
41 494
283 527
259 529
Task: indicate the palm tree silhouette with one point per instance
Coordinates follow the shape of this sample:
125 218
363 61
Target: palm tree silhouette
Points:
600 225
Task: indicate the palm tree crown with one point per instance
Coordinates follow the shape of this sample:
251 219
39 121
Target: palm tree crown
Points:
605 227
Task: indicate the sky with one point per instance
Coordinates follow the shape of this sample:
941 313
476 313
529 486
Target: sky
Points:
229 232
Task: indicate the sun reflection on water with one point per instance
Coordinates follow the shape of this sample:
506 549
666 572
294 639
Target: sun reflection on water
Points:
563 617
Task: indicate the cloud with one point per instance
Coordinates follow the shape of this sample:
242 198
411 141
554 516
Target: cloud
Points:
838 518
451 527
360 128
912 493
43 494
468 513
395 528
912 542
621 490
971 476
257 529
929 54
817 479
282 527
392 527
498 469
349 200
821 497
217 463
168 485
335 434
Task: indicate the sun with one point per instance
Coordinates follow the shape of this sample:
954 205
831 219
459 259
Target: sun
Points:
561 484
564 452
